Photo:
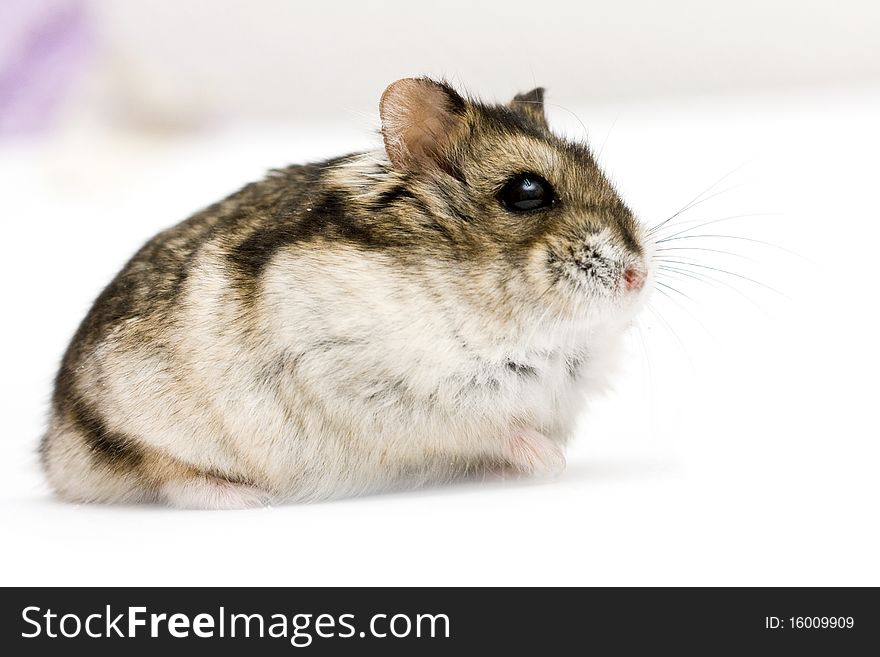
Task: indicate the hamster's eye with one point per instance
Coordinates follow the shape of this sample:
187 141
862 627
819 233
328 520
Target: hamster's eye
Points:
525 192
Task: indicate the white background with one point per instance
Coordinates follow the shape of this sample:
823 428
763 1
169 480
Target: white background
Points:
740 444
174 62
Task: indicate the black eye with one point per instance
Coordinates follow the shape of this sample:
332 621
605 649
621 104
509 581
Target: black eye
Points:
526 191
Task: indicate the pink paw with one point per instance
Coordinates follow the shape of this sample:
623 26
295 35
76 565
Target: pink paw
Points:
533 453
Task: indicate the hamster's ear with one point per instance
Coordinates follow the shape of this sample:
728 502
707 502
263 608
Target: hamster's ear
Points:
419 117
531 105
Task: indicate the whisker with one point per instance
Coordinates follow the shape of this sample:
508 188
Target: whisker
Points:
681 259
703 278
701 194
699 248
709 280
723 219
669 328
653 230
607 135
645 356
674 289
734 237
682 307
730 273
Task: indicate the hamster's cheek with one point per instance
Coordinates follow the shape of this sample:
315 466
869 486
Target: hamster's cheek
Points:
539 271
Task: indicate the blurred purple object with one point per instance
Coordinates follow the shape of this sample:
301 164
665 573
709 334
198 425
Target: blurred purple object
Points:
43 45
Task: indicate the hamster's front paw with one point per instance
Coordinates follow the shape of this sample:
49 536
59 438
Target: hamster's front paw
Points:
532 453
212 493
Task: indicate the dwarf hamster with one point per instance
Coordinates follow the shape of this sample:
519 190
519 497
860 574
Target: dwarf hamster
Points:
434 309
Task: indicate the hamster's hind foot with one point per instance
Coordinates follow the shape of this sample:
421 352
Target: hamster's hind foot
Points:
532 453
212 493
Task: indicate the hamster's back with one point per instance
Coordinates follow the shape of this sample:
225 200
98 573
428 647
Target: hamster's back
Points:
85 454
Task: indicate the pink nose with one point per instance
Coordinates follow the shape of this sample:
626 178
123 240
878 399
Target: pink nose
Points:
634 279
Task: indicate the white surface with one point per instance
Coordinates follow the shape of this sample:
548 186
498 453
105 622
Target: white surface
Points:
742 451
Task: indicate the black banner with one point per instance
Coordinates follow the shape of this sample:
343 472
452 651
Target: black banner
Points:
419 621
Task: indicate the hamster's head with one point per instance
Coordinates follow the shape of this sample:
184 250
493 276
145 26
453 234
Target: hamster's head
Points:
510 214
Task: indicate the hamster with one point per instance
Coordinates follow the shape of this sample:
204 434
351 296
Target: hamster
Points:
438 308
